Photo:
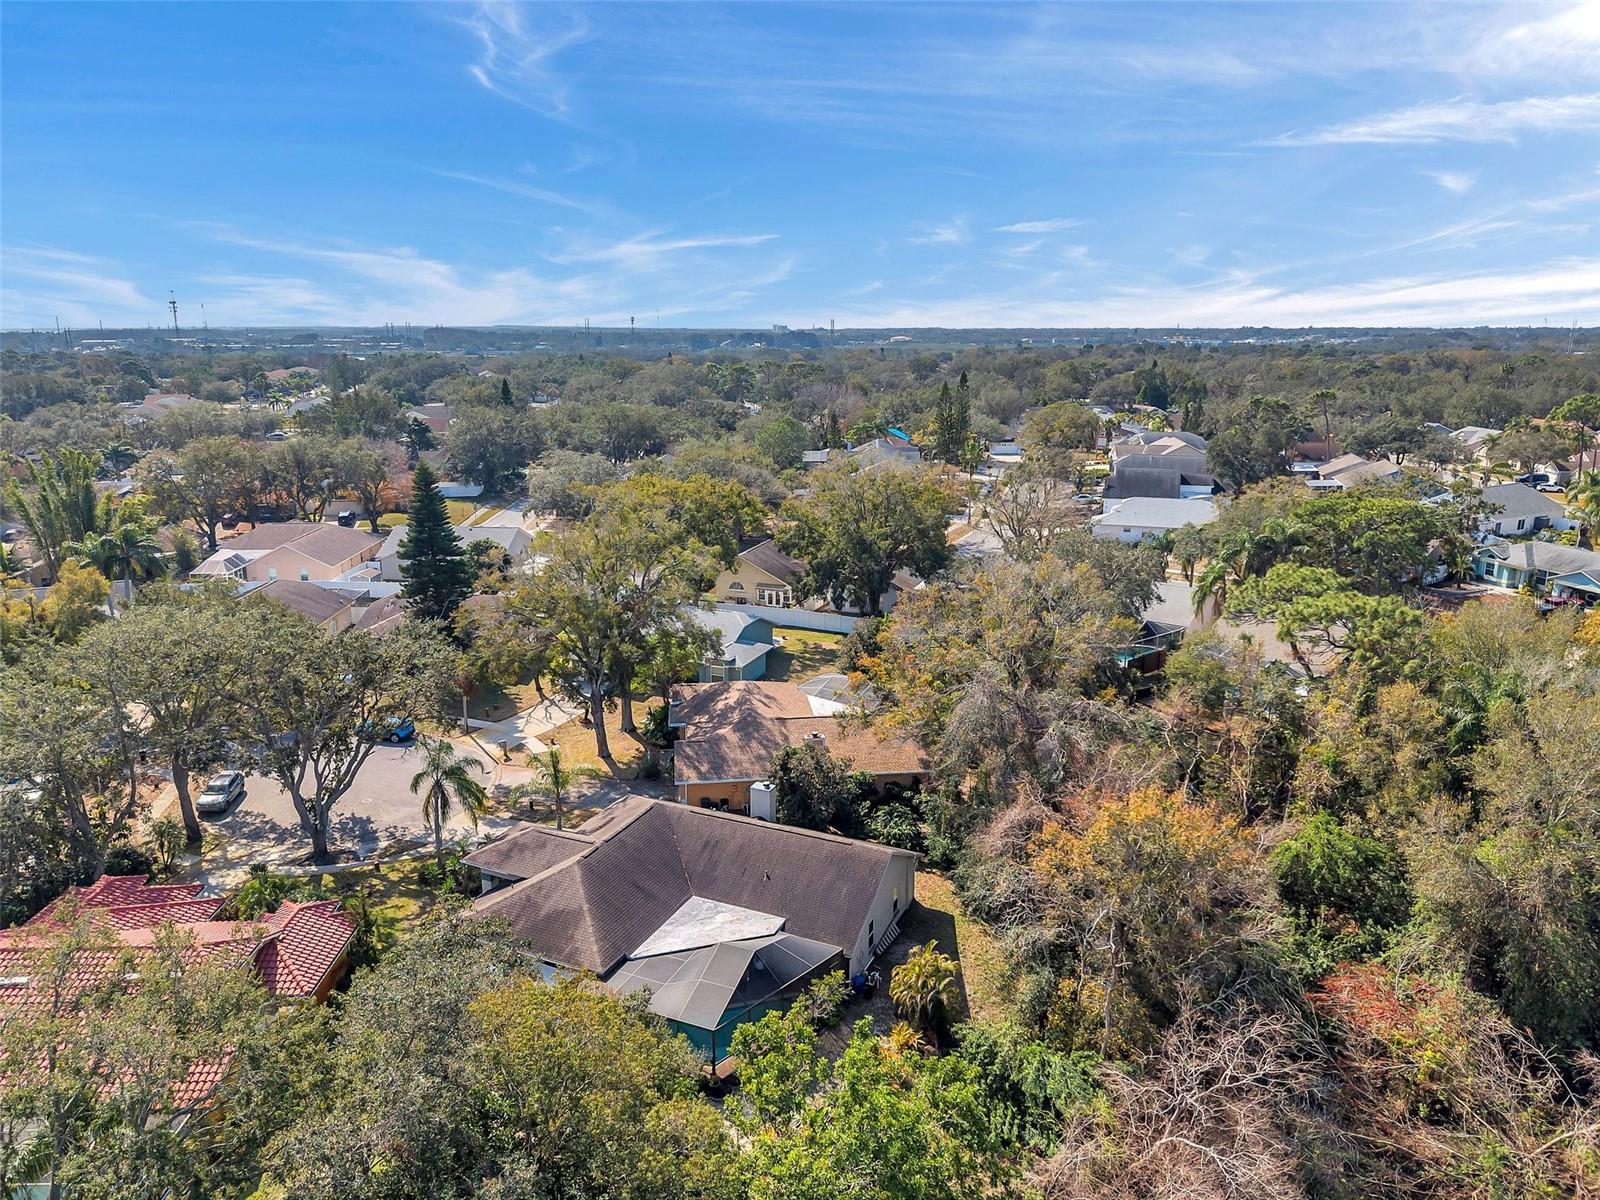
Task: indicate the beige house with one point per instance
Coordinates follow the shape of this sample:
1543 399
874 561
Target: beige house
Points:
729 734
326 608
762 574
295 550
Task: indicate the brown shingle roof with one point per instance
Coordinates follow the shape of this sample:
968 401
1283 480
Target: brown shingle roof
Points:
712 705
767 557
528 851
330 544
649 856
733 731
317 603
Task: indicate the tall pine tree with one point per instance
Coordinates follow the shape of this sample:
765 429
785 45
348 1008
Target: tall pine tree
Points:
952 422
438 575
505 392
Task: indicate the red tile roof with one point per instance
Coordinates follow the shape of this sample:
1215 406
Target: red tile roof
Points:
293 949
309 939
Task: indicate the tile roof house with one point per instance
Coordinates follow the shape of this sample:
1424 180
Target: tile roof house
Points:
304 550
762 574
718 916
299 951
729 733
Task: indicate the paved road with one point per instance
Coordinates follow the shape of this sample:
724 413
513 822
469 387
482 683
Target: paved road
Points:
377 811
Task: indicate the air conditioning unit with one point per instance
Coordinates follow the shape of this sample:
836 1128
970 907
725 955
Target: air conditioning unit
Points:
763 800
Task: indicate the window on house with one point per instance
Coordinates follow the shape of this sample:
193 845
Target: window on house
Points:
305 575
272 574
1520 524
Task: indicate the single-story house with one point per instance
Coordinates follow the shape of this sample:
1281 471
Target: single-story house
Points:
1140 517
1532 564
728 735
1513 509
436 417
1476 439
328 609
762 574
1004 454
382 615
303 550
1581 587
1350 469
893 449
515 542
815 458
301 950
746 641
720 918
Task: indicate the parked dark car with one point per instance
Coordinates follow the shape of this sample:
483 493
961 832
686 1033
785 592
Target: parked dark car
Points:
347 518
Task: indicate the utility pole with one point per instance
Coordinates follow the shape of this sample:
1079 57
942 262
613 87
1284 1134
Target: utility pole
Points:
172 303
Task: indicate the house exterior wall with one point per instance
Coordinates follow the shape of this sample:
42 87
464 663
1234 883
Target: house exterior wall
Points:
746 583
1109 531
896 891
287 563
736 793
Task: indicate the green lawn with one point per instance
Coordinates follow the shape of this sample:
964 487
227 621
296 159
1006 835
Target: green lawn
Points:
938 916
398 899
493 702
803 654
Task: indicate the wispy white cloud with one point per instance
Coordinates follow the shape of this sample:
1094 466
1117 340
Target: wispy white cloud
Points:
1561 290
648 250
529 191
1051 225
515 59
953 232
1565 41
1459 182
1458 121
39 284
375 284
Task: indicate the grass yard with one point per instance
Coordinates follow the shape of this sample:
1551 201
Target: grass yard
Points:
492 702
939 917
575 740
803 654
398 899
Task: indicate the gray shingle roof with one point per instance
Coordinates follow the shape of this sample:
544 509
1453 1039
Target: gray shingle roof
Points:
648 857
767 557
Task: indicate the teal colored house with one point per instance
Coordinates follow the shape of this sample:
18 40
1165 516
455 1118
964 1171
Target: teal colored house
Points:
1536 565
746 642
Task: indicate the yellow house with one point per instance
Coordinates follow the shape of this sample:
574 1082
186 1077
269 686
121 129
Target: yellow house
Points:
762 574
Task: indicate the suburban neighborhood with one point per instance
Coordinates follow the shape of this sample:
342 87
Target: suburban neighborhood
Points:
800 602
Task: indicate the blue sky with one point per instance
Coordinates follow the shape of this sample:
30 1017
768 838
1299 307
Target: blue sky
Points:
1123 165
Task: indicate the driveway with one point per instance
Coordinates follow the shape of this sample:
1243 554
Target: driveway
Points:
378 811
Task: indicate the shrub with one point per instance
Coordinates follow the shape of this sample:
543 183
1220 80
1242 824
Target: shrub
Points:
128 859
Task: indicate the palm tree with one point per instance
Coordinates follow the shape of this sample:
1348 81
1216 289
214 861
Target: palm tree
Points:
125 545
556 778
925 990
445 782
1583 502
